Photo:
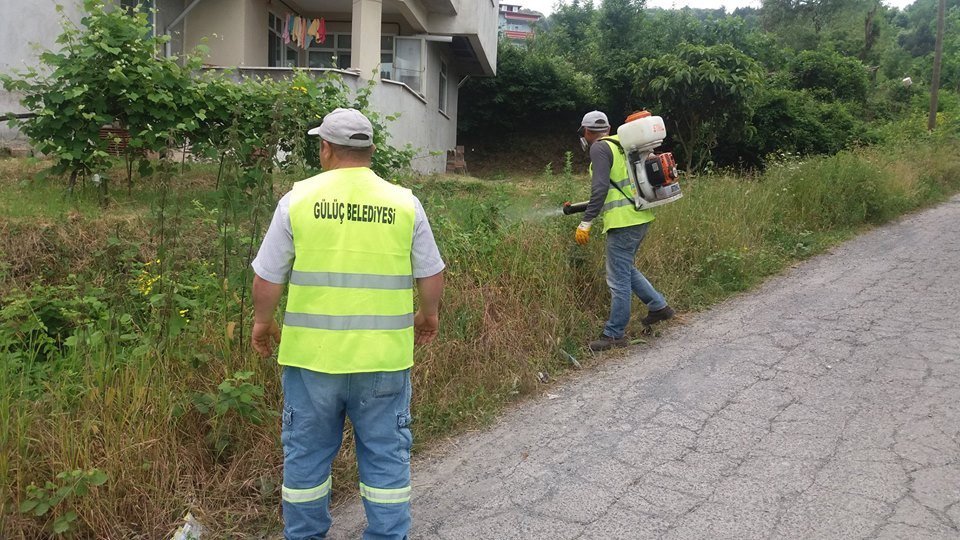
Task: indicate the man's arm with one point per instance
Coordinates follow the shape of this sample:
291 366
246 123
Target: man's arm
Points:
426 322
601 157
266 331
428 272
271 267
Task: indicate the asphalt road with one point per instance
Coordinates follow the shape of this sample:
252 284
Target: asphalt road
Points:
825 404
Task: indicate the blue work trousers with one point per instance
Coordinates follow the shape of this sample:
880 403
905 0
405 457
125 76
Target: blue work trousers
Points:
625 280
314 408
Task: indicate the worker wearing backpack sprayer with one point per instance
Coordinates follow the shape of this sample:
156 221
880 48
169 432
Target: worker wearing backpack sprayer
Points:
612 196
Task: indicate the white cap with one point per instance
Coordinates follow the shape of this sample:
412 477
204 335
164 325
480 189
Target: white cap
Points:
346 127
595 121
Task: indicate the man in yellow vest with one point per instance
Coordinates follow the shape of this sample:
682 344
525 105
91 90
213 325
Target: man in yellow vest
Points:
350 246
611 196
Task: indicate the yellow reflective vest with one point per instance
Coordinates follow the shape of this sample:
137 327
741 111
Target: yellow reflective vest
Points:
619 211
350 302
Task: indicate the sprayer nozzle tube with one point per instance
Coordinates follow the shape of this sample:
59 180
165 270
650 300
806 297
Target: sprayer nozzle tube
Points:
574 208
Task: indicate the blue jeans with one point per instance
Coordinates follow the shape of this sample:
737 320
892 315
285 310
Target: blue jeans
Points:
624 279
314 408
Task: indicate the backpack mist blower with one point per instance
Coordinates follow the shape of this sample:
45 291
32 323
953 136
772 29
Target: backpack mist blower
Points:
653 176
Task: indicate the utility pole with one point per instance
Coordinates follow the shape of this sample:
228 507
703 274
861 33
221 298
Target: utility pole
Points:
937 57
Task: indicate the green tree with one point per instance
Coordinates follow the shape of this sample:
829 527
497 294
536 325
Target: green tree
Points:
569 32
531 89
106 72
795 122
830 75
816 13
703 93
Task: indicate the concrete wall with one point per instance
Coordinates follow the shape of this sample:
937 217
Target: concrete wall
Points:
222 23
167 11
256 18
477 19
27 28
420 124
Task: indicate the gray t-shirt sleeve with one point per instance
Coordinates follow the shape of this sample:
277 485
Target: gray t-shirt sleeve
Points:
425 255
275 258
601 157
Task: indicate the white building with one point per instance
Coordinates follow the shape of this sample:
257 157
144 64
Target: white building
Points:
418 51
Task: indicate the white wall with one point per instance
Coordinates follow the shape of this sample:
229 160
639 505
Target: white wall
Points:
421 124
167 10
478 20
27 28
220 25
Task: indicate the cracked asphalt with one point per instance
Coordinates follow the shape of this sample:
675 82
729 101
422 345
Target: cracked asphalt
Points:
825 404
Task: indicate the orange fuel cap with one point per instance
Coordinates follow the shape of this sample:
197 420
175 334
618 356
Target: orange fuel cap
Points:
638 114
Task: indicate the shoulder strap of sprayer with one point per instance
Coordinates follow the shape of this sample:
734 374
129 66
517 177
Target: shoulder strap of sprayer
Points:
619 147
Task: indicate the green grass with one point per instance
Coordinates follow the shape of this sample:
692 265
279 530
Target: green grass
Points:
107 352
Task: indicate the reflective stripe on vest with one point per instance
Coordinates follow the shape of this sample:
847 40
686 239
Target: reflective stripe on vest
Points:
619 211
350 305
349 322
292 495
356 281
385 496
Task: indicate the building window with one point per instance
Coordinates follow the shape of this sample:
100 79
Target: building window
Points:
386 57
279 54
443 87
334 52
408 63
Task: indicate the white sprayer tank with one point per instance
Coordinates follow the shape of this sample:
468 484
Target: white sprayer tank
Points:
642 134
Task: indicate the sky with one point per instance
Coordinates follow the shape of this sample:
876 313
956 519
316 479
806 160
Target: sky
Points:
546 6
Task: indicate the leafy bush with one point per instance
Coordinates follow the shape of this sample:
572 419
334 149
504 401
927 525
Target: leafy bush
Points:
723 80
56 496
109 73
724 269
236 398
794 121
830 75
35 325
531 89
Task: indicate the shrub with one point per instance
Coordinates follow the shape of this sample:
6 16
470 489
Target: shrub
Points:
830 75
795 122
109 73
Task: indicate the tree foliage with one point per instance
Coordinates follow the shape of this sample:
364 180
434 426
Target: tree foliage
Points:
531 89
799 76
105 73
703 93
108 73
830 75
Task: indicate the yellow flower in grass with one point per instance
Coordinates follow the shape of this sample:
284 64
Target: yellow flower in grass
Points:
146 281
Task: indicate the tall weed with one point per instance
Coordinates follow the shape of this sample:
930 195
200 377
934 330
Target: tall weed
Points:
140 370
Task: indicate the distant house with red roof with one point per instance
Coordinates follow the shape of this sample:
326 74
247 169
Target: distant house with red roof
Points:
516 23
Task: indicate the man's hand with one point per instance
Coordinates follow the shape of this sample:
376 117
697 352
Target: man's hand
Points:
582 236
264 336
425 328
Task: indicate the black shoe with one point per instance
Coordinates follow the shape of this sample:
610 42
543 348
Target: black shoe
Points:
654 317
606 342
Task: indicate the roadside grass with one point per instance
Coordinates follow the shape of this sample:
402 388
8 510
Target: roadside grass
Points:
123 330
